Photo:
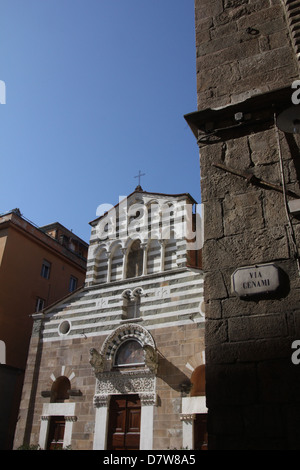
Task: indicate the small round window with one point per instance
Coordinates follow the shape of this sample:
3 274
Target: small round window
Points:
64 328
129 353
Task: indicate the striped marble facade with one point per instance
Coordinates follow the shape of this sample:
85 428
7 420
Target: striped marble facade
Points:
171 291
143 290
159 223
167 299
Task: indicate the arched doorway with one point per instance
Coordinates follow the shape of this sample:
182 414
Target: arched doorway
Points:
56 432
125 370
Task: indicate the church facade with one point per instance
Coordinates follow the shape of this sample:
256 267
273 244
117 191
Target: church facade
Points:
119 363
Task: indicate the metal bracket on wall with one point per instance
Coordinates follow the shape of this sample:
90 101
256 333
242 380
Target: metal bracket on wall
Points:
252 179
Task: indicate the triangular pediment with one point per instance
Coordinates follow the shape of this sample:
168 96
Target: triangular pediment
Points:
143 197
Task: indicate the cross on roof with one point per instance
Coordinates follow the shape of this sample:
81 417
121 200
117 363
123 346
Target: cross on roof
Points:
139 176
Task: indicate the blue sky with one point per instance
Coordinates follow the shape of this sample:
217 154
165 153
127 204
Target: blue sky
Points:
96 90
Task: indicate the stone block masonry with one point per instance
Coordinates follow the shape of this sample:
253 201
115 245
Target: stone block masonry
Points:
242 48
246 64
248 340
176 346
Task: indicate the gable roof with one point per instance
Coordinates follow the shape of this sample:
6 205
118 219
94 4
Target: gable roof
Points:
139 190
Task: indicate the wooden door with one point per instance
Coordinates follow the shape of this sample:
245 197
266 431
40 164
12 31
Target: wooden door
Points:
124 423
200 432
56 433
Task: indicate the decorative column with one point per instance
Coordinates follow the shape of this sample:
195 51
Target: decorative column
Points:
44 431
124 252
109 259
101 422
188 431
144 247
148 402
68 430
162 254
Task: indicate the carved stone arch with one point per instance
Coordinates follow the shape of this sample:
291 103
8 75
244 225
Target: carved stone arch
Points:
139 380
151 202
99 248
123 333
138 292
103 361
129 242
126 294
114 245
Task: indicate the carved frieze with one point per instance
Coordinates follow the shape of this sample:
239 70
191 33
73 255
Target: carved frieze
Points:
142 383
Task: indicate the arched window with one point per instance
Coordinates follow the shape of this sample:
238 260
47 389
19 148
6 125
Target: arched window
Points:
101 267
116 263
129 353
131 303
135 260
60 389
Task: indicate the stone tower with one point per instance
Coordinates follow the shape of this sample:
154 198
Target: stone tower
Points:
247 72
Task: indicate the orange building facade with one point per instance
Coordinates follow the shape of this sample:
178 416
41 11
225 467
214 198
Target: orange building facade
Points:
38 266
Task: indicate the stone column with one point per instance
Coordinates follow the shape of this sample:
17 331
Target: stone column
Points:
144 247
125 254
147 416
162 254
188 431
109 259
44 431
101 422
68 430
